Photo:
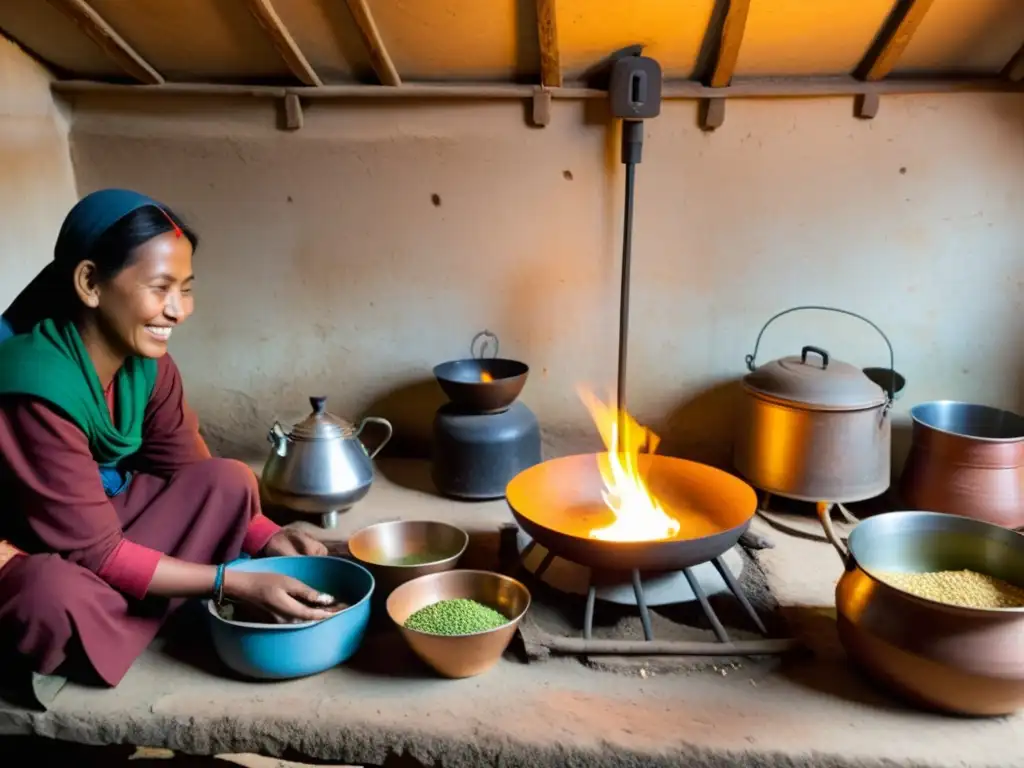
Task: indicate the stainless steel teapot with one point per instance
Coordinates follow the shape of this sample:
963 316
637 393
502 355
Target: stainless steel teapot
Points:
320 466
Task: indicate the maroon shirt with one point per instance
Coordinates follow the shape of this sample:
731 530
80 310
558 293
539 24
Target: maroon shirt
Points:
53 498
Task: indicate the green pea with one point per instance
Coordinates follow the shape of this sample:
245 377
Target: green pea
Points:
458 616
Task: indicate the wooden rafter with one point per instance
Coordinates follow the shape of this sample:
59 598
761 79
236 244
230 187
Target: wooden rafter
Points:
720 53
729 43
547 32
1014 69
379 58
264 13
111 43
893 39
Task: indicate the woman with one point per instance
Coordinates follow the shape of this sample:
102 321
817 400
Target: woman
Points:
111 507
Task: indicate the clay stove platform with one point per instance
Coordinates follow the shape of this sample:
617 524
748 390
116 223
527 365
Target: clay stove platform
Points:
806 712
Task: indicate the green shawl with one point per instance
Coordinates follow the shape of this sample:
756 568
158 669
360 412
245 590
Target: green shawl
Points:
50 363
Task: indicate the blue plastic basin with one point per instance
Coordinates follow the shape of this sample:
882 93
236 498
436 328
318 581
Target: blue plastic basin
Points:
282 651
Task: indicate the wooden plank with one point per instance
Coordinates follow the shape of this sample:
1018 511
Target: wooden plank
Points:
865 105
293 118
379 58
893 38
264 13
744 88
1014 69
547 32
729 47
111 43
541 107
712 114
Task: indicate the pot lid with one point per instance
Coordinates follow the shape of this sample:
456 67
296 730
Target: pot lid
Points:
813 378
321 425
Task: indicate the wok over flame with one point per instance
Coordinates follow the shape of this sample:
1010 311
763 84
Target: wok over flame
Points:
639 515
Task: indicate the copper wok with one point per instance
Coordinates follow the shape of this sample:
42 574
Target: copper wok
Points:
558 503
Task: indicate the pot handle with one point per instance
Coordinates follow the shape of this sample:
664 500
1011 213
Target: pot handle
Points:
376 420
825 516
486 336
816 350
751 359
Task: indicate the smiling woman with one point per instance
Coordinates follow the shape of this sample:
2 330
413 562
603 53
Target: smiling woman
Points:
111 502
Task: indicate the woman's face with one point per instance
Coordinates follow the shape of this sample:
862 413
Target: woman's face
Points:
140 307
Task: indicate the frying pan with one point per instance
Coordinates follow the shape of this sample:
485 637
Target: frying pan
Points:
461 381
559 501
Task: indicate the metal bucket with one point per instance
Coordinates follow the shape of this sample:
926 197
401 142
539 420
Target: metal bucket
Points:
967 460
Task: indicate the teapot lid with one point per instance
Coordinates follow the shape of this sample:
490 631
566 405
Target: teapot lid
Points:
320 424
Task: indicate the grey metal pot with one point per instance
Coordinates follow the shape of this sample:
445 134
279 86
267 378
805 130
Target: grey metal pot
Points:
320 466
815 428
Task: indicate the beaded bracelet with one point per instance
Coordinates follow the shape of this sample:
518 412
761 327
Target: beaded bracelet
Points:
218 585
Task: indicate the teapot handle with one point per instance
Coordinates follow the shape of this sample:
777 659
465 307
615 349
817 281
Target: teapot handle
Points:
376 420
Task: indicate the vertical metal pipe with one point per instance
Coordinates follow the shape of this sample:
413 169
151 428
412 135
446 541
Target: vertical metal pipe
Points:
627 253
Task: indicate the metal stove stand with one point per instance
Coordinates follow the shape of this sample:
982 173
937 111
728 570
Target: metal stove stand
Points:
649 646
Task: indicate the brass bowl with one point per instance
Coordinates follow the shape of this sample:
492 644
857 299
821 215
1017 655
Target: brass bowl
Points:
460 655
377 547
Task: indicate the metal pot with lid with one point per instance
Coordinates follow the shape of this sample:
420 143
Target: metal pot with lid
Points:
815 428
320 465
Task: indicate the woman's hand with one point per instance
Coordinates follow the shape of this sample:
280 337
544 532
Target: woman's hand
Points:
289 541
282 597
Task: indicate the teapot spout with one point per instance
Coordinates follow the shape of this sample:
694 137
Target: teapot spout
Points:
277 438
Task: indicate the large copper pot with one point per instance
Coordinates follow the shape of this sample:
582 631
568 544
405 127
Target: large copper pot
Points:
959 660
966 460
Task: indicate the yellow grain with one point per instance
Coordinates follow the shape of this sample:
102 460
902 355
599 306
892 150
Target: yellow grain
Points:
967 589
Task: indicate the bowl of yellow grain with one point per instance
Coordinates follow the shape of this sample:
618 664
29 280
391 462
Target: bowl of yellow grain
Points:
931 606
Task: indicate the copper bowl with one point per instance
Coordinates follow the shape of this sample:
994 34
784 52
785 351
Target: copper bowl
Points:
380 547
460 655
959 660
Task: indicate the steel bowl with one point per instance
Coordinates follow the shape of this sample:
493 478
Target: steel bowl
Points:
377 547
283 651
967 661
462 655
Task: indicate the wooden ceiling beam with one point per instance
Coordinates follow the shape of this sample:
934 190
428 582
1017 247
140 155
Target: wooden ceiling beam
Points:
1014 69
743 88
729 46
893 38
723 39
111 43
547 34
379 58
264 13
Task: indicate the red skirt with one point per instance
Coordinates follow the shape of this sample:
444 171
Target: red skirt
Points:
57 617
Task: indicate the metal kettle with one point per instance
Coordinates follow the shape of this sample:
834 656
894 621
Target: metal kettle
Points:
320 465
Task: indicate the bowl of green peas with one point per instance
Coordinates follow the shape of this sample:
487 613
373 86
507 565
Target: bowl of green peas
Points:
459 622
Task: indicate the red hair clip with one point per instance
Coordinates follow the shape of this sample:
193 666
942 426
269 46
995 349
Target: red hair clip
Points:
177 229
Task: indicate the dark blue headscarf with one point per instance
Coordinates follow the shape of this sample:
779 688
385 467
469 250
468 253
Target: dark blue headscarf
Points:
84 225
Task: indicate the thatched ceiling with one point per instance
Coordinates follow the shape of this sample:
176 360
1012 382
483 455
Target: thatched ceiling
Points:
223 41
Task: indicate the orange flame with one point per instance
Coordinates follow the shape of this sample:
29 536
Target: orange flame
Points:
639 516
485 377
